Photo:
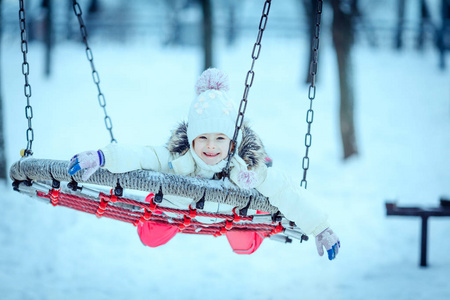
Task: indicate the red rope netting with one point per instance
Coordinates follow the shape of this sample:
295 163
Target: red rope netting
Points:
151 212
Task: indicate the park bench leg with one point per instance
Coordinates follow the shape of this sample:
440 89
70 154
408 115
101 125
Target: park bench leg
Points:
423 248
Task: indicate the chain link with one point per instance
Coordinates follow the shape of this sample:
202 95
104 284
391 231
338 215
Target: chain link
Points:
312 91
26 72
95 76
248 83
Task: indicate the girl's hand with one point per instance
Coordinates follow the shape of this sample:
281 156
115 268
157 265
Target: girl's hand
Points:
90 161
330 241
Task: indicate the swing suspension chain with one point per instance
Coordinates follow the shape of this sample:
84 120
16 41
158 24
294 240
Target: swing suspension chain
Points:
248 83
26 72
312 91
95 76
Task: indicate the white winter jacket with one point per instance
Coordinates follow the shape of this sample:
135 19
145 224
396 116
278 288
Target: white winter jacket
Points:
282 192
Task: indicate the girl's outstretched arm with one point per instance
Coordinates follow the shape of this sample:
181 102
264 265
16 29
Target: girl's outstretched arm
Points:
120 158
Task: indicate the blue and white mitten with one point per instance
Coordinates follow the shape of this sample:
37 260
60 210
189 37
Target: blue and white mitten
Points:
90 161
330 241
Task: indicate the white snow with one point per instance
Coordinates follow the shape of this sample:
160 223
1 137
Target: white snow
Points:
403 132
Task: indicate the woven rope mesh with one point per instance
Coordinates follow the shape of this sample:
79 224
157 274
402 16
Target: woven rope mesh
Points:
149 181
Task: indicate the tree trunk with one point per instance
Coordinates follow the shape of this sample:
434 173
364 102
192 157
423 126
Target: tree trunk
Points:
443 31
69 15
207 33
231 28
400 24
343 41
310 7
425 18
47 6
3 169
94 7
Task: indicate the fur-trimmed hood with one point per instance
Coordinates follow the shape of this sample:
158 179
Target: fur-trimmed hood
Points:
251 148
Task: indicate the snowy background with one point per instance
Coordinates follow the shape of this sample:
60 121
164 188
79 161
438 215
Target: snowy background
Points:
403 132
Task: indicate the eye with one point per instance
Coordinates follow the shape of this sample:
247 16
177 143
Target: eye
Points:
220 138
202 137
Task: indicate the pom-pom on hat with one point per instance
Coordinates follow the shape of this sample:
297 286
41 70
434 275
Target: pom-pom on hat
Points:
212 111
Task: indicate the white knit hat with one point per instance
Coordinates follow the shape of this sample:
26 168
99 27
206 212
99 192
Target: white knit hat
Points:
212 111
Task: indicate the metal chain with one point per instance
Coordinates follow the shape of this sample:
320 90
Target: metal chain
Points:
248 83
95 76
26 72
312 91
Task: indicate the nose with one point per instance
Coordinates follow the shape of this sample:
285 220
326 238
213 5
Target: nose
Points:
211 145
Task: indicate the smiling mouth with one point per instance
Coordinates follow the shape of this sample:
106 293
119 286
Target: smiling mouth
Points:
210 154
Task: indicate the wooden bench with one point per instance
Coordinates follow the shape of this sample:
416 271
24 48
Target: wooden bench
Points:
424 213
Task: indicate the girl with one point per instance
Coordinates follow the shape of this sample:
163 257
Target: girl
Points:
200 148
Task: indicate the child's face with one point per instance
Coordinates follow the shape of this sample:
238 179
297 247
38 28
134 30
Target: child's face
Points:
212 148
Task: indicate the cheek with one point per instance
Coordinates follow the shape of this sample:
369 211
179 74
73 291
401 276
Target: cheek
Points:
225 147
197 146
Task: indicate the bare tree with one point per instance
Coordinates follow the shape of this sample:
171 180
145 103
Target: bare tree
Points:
425 19
443 33
47 10
343 38
70 32
207 33
3 173
309 6
94 7
400 24
231 34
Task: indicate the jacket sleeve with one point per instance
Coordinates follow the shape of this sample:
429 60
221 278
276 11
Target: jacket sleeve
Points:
294 203
124 158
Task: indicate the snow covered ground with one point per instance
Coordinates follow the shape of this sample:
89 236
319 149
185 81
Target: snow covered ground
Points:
403 131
